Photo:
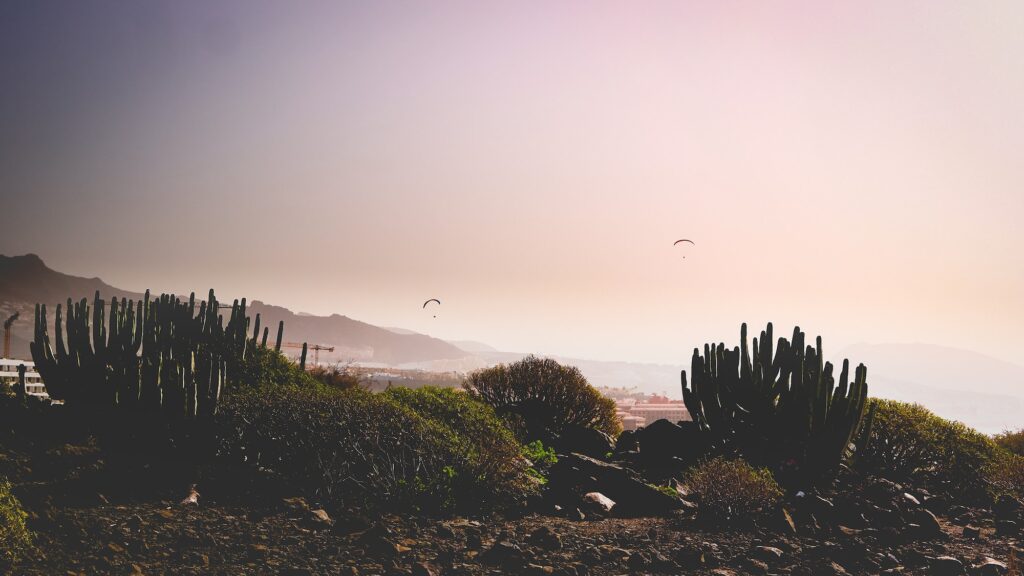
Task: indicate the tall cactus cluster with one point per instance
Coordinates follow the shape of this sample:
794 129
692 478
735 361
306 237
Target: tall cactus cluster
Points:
157 355
782 405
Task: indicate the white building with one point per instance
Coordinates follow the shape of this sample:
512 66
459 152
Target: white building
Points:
9 376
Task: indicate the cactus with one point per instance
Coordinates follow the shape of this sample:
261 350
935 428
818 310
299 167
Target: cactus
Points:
280 335
156 355
302 362
781 405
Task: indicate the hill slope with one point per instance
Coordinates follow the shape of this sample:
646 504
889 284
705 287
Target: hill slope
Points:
25 280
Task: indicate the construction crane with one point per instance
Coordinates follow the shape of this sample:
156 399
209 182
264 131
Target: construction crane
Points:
7 334
316 348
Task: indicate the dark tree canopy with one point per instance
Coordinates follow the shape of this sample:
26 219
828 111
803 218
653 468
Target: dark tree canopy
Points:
545 393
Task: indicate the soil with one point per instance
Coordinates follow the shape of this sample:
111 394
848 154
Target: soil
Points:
94 516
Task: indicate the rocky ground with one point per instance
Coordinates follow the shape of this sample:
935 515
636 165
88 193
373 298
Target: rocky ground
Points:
95 517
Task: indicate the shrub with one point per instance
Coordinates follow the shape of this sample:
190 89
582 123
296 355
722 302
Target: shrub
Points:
1005 475
908 443
493 456
355 447
545 395
542 458
336 376
265 368
732 489
1012 441
15 539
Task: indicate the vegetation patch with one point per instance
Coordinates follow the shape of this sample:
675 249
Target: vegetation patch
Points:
732 489
15 538
908 443
545 396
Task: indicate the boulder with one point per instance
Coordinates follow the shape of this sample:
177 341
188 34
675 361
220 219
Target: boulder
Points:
972 532
596 504
991 567
582 440
578 473
1007 507
664 441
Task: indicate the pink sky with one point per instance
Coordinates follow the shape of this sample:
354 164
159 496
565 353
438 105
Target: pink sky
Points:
854 170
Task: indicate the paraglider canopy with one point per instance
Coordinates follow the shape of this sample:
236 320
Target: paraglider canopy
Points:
431 300
683 240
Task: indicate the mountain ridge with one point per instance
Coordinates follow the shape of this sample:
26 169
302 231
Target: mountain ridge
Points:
26 280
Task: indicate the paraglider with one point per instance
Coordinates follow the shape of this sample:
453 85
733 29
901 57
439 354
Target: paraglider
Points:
432 300
683 240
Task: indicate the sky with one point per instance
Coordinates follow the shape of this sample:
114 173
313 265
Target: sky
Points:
853 168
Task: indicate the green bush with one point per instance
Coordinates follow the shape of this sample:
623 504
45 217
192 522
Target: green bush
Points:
542 458
265 368
545 395
337 376
1012 441
1005 475
732 489
908 443
355 447
15 538
492 455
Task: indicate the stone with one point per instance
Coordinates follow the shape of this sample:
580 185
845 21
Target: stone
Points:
756 566
546 538
1007 528
768 553
575 473
319 519
504 554
1006 507
972 532
424 569
929 524
909 499
991 567
946 566
583 440
597 503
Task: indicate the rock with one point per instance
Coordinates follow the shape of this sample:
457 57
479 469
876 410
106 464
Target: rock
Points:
638 561
1006 507
538 570
833 569
577 473
319 519
882 491
504 554
627 442
296 504
546 538
909 499
972 532
784 522
767 553
991 567
595 503
929 524
349 571
757 566
424 569
583 440
1007 528
945 566
664 442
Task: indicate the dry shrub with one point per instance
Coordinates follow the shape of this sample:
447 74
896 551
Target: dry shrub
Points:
1012 441
732 489
546 394
15 538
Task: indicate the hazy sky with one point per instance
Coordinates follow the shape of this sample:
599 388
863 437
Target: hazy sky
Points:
853 167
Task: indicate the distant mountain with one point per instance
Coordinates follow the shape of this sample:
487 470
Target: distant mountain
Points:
983 392
25 280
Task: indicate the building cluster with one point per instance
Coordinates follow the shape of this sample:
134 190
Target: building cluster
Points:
639 412
9 376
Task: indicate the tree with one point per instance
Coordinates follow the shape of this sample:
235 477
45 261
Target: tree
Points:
546 395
